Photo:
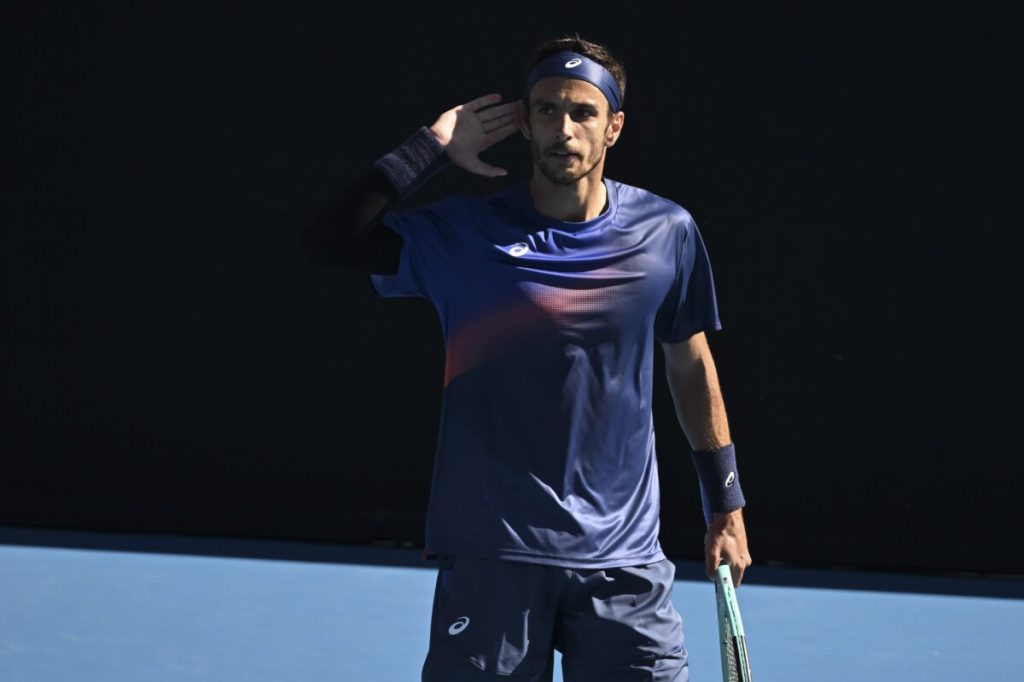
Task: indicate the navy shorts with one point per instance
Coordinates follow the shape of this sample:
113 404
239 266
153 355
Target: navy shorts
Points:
493 617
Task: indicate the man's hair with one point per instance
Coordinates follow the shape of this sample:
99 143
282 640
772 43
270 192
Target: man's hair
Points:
595 51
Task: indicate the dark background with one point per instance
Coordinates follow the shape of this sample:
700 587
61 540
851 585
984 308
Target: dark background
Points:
170 364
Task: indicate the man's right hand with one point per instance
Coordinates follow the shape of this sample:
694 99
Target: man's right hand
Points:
470 128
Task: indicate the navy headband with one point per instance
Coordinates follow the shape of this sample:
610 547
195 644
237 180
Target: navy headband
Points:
572 65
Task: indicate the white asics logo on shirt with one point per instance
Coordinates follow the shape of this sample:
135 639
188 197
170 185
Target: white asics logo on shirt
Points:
518 249
459 625
573 63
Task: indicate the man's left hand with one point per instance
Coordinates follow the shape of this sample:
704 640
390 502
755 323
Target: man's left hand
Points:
726 540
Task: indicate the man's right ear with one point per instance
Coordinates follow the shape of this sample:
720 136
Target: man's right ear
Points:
521 116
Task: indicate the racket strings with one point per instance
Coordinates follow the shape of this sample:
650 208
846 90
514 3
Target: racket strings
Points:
732 669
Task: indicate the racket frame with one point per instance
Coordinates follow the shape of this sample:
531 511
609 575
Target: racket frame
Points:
731 635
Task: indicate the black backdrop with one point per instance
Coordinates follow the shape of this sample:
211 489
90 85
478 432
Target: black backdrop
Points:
171 365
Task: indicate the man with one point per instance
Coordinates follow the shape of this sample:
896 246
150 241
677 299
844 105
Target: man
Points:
544 505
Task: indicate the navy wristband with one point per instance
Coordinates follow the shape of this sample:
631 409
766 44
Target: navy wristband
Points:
719 480
413 162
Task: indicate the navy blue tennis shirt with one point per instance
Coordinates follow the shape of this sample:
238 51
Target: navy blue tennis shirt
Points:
546 448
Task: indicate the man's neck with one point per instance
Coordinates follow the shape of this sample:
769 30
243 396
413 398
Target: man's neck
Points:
579 202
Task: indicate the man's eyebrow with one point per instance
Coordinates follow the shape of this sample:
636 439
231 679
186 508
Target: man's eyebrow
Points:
551 103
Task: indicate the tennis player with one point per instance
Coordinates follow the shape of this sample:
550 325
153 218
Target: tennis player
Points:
544 507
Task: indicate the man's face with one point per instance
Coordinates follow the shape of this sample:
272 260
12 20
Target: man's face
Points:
569 129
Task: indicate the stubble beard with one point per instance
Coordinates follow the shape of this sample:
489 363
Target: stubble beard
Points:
565 176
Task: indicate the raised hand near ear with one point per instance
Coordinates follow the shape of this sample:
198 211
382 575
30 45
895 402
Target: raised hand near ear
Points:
470 128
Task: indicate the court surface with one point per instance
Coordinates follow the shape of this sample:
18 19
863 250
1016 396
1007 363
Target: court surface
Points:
118 608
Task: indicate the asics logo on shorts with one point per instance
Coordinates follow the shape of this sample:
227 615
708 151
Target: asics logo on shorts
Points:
518 249
459 625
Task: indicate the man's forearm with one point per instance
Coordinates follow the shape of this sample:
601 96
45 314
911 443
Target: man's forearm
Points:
693 381
342 235
335 234
698 401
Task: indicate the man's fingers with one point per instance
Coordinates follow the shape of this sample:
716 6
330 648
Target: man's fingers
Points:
481 102
711 561
500 133
738 564
508 109
737 575
482 123
499 121
486 169
493 171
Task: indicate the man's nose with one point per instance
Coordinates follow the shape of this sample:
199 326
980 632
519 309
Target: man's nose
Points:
564 131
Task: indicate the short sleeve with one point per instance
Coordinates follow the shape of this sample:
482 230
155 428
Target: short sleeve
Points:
690 306
422 257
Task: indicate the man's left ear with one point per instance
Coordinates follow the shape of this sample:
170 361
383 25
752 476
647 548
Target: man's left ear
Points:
615 128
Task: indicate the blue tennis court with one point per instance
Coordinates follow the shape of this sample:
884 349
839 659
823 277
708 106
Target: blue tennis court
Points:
113 608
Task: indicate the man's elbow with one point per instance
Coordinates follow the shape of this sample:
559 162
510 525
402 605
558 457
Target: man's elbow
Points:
687 373
313 250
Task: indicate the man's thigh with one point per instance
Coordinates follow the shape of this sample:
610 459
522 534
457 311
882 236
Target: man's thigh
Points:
619 624
490 618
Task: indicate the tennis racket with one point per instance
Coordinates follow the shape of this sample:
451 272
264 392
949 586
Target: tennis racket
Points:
732 639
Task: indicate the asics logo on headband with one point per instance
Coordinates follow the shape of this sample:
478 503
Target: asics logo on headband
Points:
568 64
